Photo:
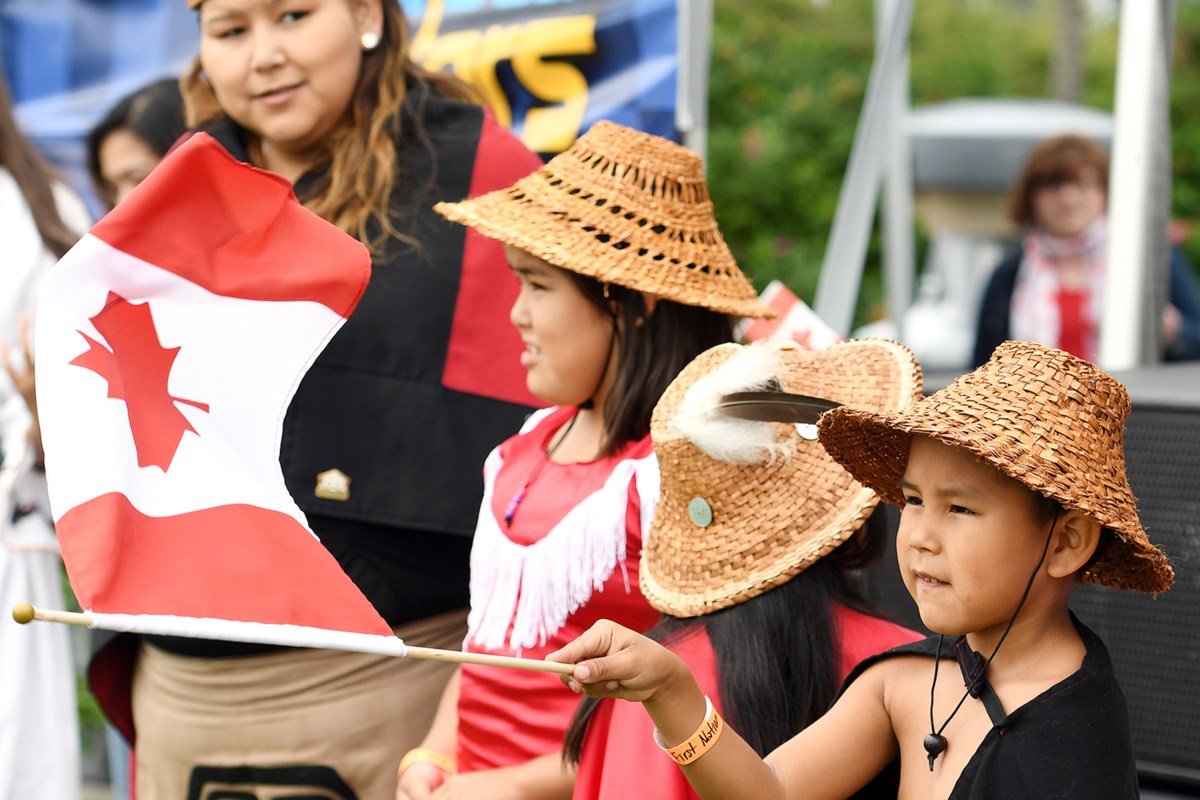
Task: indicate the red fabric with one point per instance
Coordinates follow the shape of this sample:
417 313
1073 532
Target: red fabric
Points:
484 346
111 681
556 488
238 225
1076 329
508 716
202 564
620 759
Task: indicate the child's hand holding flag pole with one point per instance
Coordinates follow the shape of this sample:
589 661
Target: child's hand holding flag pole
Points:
169 342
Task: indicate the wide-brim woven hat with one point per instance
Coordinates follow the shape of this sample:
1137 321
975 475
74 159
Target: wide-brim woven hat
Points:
1045 418
725 531
623 207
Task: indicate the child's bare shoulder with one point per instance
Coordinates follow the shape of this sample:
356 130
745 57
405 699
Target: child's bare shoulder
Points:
897 683
901 682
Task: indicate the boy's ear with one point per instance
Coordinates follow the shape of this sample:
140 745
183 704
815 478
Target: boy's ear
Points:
1075 540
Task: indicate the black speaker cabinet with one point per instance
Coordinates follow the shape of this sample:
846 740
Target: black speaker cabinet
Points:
1154 642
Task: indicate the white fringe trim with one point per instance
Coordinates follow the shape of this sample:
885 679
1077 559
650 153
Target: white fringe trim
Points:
537 587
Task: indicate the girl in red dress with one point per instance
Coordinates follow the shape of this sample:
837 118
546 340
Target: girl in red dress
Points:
624 279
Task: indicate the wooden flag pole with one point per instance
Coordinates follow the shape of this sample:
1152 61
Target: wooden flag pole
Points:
25 613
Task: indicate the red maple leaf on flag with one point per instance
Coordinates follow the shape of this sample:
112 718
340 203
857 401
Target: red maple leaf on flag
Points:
137 369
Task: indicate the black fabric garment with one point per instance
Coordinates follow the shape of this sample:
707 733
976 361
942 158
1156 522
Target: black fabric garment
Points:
373 404
995 309
1071 742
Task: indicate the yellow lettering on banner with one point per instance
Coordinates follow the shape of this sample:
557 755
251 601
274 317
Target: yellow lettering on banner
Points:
498 45
551 130
473 56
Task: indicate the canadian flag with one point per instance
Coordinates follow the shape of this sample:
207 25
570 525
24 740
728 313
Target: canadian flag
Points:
793 315
169 342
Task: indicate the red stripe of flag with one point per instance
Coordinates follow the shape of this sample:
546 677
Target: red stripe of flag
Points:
245 244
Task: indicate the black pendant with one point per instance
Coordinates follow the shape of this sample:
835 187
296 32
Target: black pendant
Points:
935 745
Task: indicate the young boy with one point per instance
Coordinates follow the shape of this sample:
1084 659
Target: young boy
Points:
1012 484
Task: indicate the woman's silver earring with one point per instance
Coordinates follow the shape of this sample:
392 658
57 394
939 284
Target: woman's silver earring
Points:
370 41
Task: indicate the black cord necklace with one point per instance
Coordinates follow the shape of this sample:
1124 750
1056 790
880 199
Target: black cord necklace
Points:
935 742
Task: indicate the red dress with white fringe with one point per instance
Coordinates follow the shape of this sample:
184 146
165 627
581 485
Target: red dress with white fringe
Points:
569 558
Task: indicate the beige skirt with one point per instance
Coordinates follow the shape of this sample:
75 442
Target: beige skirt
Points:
287 724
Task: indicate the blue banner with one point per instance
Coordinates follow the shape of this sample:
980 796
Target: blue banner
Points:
549 69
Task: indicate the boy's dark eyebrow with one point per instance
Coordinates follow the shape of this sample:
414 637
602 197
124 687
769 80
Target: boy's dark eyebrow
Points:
962 491
959 491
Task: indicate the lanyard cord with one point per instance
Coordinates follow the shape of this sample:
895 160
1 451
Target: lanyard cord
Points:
935 742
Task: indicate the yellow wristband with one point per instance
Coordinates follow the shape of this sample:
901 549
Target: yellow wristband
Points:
423 754
699 742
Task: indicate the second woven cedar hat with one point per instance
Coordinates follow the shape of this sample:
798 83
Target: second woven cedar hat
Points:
623 207
1039 415
746 506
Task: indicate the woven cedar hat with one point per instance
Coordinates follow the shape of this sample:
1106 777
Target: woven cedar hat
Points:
1041 416
746 506
623 207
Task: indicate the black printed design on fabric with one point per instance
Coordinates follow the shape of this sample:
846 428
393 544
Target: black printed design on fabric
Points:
306 782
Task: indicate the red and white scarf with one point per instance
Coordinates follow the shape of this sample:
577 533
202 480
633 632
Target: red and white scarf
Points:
1035 304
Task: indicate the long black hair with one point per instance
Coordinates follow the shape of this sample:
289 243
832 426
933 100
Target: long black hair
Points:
650 350
778 654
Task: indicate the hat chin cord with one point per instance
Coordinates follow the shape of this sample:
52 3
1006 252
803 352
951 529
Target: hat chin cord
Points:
935 742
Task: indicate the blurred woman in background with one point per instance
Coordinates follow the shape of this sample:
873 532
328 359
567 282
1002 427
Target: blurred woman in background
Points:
40 219
1050 291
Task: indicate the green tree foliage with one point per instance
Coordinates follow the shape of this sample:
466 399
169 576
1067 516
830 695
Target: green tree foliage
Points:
1185 125
787 85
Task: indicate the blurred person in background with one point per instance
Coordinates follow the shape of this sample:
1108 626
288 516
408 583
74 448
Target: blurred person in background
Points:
1050 290
130 140
40 219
